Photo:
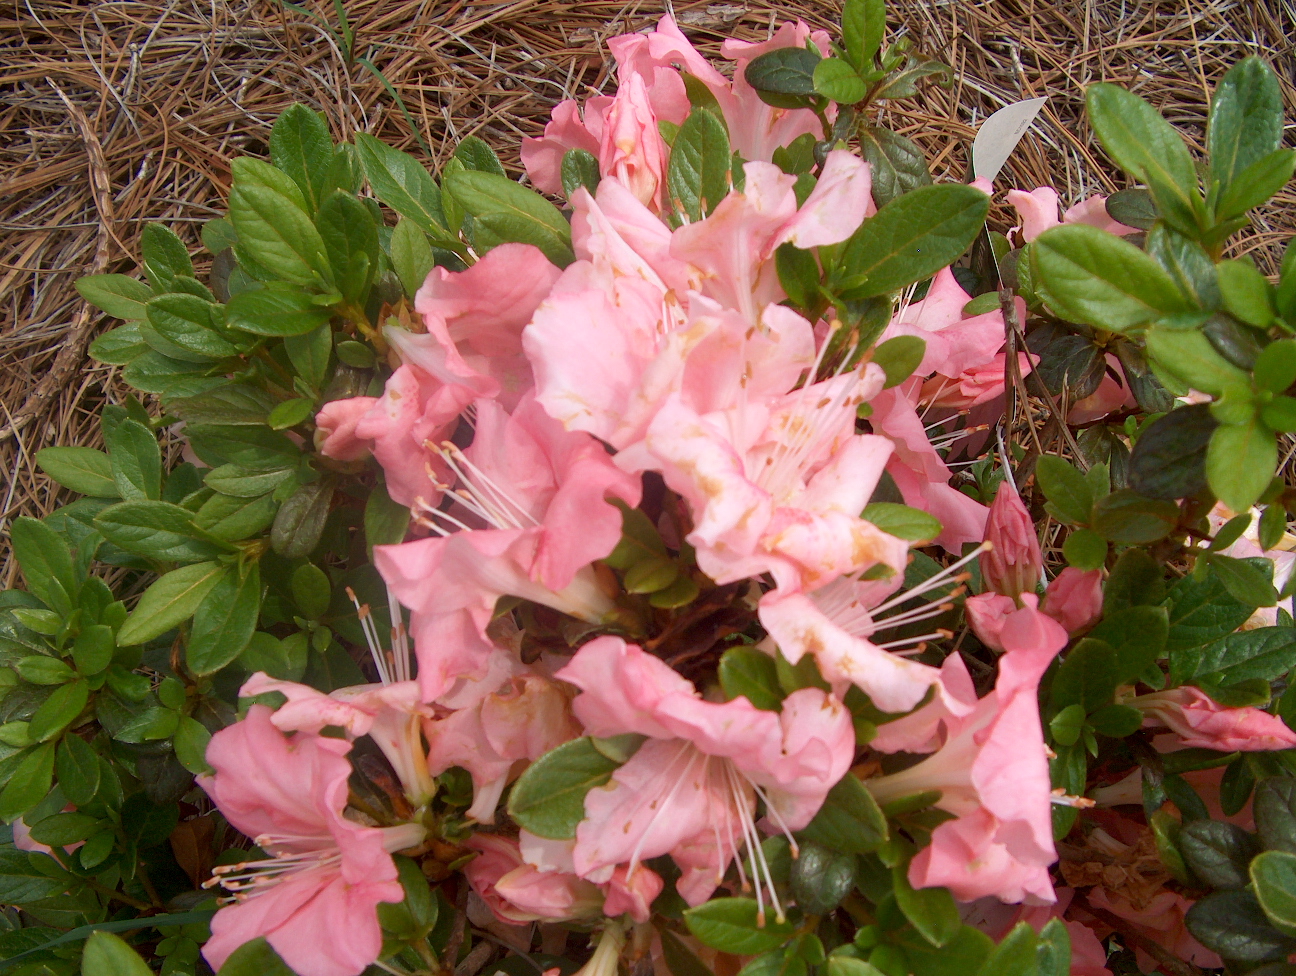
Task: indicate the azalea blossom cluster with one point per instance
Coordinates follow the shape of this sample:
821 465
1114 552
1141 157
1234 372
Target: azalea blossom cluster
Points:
530 410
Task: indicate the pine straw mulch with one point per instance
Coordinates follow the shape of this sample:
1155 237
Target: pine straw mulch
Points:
115 114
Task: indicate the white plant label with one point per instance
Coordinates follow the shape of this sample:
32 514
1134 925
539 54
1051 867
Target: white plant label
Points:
998 136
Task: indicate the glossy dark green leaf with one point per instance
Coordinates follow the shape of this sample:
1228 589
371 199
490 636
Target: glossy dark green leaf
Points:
1246 293
899 357
1257 183
697 178
58 711
549 798
189 328
821 878
1015 955
27 786
411 256
1065 488
1187 262
1169 459
1133 208
1273 878
1274 806
783 77
1246 582
190 742
1053 950
106 954
1232 924
1070 364
1218 853
579 169
77 765
309 354
897 165
1087 676
913 237
849 820
155 530
255 958
932 911
253 447
300 521
903 82
1128 518
1191 358
748 673
1138 634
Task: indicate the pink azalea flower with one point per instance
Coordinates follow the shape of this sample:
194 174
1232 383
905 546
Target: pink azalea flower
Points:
835 624
690 790
1012 564
993 917
1203 723
1074 599
975 385
778 486
539 491
954 343
315 899
632 151
920 473
1038 210
755 129
521 719
1162 921
986 613
992 773
571 126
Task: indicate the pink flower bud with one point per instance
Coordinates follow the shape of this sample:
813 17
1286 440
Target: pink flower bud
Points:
1074 599
1013 566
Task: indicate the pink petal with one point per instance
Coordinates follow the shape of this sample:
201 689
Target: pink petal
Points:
1037 209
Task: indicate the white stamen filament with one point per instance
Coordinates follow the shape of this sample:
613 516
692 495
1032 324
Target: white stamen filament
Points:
480 494
931 582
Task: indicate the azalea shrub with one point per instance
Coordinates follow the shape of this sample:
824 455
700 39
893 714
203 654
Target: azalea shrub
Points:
729 554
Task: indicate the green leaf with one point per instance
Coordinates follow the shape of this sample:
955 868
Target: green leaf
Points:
38 669
1245 123
897 164
300 521
411 256
1187 263
1246 583
46 563
311 590
119 346
26 787
849 820
290 413
22 881
1102 280
863 24
164 256
58 710
1201 612
697 177
1053 950
106 954
189 327
1085 549
548 799
136 460
233 519
1274 807
579 168
309 354
1116 721
278 309
734 924
63 829
1015 955
783 77
680 959
300 146
155 373
155 530
1127 518
903 83
1146 146
171 600
78 768
1067 725
1232 924
475 154
1257 183
912 237
1266 653
1273 875
837 80
931 910
1133 208
1246 293
899 357
149 725
1189 357
285 660
118 295
255 447
416 916
401 182
385 521
191 738
911 524
1065 488
1138 634
959 957
821 878
224 622
1169 458
273 226
1275 368
506 211
748 673
1087 677
82 469
1217 852
350 237
1240 463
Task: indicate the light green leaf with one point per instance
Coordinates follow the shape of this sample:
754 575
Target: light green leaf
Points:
120 296
82 469
400 181
837 80
549 797
697 178
278 309
224 621
171 600
506 211
1240 463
